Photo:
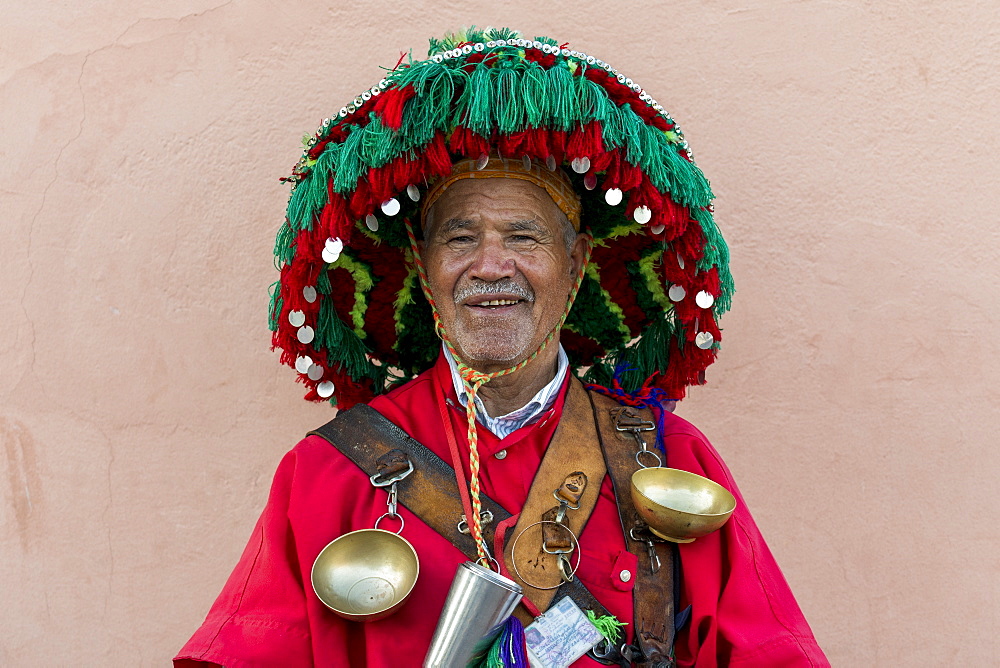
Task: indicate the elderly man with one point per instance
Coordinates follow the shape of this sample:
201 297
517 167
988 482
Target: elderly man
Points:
515 155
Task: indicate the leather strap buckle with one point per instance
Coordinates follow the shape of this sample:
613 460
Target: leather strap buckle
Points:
485 518
391 467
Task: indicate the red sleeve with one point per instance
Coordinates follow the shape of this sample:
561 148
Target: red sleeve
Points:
742 611
260 616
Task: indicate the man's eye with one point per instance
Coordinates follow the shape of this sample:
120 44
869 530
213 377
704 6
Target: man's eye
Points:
522 238
461 239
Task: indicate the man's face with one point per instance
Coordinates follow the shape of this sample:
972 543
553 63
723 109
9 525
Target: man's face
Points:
498 268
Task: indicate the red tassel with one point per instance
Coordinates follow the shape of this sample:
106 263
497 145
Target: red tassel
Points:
436 159
469 144
361 204
390 104
334 220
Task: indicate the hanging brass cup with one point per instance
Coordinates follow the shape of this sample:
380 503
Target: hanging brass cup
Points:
365 575
680 506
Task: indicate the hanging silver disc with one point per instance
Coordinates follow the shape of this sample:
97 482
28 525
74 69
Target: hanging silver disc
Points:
296 318
305 334
372 222
309 294
390 207
413 192
325 389
642 214
676 292
315 372
613 196
302 363
704 340
704 299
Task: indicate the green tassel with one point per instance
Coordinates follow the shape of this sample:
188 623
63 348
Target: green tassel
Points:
608 625
631 129
274 309
379 144
509 108
478 116
687 183
323 285
284 252
564 98
533 93
613 127
350 168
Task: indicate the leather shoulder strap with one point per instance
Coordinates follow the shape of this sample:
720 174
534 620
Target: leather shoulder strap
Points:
653 595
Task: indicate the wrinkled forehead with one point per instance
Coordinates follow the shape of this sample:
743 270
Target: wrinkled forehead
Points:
552 181
495 200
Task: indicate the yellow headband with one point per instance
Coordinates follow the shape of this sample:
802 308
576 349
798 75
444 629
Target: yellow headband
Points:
555 183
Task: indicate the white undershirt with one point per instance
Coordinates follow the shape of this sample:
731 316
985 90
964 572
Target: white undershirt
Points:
505 424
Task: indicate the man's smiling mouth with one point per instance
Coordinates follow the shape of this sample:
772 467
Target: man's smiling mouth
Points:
493 303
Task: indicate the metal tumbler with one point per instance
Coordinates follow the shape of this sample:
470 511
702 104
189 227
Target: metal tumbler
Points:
478 604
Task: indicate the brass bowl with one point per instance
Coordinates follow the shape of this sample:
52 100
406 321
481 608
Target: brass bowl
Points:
680 506
365 575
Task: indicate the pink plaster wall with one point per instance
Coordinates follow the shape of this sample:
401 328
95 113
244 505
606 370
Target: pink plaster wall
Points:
852 146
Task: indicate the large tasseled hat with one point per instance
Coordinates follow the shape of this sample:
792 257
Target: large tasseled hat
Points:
348 312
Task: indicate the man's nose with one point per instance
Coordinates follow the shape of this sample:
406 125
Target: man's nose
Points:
493 261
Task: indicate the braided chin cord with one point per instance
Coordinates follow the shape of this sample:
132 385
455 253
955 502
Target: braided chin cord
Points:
472 380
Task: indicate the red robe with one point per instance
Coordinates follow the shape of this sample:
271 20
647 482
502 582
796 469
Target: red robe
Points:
743 612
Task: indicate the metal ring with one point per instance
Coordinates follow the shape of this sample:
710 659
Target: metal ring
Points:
561 500
659 462
489 560
513 559
402 522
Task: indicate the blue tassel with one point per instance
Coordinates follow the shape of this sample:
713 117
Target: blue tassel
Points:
509 649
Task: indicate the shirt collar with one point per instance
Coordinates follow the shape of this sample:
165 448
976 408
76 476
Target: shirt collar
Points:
538 404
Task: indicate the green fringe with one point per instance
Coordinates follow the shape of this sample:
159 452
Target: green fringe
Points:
510 110
608 625
481 89
379 144
564 98
323 285
349 168
284 251
274 309
533 94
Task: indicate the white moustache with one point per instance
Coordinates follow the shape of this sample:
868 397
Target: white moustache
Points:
504 286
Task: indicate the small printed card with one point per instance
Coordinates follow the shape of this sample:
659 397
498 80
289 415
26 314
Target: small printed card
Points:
560 636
